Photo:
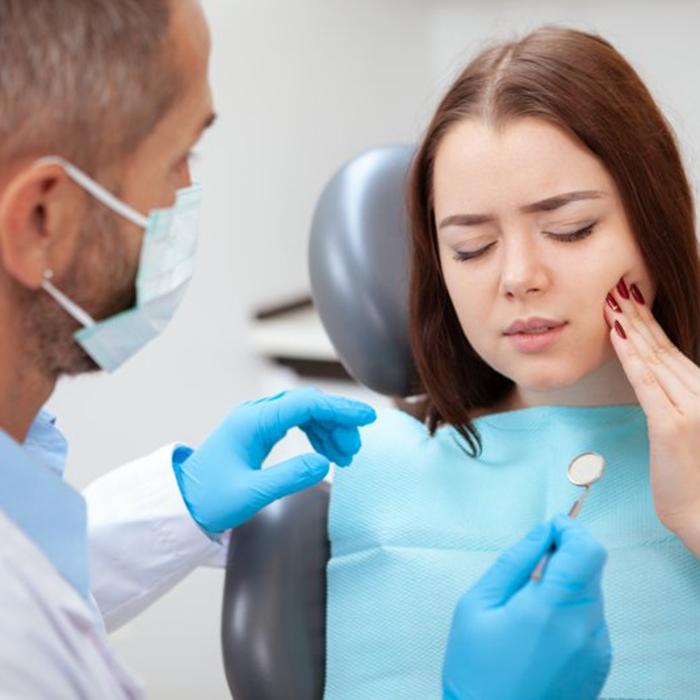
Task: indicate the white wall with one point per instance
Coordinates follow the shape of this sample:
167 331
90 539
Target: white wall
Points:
301 87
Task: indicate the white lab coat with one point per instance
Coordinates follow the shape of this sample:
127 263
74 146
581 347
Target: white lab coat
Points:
141 538
142 541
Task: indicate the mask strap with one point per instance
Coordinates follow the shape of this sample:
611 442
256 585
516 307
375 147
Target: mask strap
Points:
82 317
96 190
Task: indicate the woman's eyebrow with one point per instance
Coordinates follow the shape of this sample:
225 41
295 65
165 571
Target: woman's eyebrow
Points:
552 203
549 204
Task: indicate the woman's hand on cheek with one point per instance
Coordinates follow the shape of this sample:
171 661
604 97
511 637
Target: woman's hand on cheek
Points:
667 385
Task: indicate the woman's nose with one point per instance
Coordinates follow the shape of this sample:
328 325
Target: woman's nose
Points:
523 271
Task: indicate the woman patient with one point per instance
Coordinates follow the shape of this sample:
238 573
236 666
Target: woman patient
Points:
555 301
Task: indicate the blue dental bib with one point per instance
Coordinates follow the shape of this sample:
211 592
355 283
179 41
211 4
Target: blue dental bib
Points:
415 521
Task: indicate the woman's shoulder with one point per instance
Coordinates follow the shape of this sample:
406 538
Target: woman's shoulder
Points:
393 447
393 425
398 458
398 438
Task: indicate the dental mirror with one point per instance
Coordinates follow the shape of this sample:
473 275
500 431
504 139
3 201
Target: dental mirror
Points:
583 471
586 469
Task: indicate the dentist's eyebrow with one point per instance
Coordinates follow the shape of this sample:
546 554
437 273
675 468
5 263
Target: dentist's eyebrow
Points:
549 204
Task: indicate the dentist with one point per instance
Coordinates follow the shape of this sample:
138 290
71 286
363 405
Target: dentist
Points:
101 102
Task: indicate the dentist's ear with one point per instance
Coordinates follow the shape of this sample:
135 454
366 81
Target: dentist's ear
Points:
41 212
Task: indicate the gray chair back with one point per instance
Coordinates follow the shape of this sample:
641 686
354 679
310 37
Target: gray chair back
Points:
359 268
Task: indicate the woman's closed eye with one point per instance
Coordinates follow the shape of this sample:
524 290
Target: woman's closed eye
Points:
580 234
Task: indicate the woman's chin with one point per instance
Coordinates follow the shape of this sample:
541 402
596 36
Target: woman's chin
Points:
547 379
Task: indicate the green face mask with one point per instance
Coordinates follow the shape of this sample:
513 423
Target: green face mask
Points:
166 265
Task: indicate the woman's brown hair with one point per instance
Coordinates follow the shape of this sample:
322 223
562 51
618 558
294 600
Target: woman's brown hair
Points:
578 82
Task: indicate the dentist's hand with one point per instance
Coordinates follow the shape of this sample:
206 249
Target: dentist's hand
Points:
513 638
222 482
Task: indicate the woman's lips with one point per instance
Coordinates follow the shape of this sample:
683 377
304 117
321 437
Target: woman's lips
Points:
536 342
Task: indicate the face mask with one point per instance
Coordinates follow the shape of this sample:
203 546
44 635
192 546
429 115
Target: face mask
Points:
166 265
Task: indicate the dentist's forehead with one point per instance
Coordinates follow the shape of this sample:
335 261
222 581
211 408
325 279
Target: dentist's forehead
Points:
480 170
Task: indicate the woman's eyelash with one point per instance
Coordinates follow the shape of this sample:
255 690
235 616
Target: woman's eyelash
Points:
461 256
575 235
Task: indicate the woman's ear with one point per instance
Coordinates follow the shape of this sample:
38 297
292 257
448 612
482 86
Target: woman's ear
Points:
41 214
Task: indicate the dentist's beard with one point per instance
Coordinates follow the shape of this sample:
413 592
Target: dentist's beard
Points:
101 281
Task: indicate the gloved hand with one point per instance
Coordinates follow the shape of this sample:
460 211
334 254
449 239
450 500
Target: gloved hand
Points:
222 482
515 638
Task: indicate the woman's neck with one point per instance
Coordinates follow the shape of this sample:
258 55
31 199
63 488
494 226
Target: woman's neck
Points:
606 386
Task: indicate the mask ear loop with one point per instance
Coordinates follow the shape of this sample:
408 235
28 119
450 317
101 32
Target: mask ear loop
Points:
109 200
82 317
96 190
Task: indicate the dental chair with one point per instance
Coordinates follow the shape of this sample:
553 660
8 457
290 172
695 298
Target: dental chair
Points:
274 611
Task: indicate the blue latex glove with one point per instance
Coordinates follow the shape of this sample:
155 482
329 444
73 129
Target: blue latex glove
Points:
222 482
513 638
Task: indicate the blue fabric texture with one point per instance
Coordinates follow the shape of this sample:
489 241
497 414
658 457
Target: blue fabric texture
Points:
416 521
47 443
41 504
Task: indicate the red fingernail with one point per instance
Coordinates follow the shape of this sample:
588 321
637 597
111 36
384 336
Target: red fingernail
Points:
610 299
636 293
620 330
622 289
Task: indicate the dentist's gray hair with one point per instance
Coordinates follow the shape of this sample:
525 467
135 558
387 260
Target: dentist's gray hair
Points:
85 79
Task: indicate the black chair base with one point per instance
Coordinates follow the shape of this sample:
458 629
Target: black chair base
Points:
274 614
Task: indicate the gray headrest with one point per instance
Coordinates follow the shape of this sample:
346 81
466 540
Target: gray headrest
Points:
359 267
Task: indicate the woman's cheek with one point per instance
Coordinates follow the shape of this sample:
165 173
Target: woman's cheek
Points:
591 344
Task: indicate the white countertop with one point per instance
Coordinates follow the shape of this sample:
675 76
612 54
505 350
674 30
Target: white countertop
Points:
296 334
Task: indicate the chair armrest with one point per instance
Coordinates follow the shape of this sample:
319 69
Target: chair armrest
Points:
274 612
